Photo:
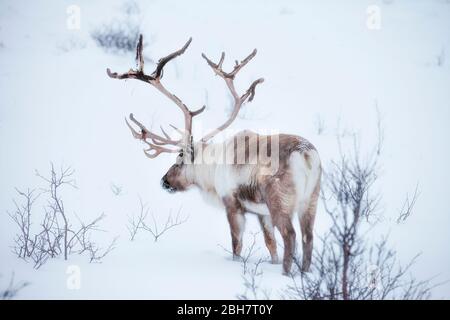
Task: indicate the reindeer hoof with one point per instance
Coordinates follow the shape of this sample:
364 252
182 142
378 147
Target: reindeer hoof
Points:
305 268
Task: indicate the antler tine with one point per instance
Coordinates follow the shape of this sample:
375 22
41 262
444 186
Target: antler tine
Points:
139 72
251 91
164 132
155 145
158 150
157 74
154 80
198 111
175 128
131 74
222 58
217 67
229 77
147 134
239 66
136 134
139 55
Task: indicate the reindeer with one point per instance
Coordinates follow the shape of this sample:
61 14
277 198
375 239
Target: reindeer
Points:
275 193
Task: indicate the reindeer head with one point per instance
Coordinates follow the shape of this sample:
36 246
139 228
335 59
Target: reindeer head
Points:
181 175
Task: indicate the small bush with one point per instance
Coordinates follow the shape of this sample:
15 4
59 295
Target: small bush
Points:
13 289
120 35
117 37
54 234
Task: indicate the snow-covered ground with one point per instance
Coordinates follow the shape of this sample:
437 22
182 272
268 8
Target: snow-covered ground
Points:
319 59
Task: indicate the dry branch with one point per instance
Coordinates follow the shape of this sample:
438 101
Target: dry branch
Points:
155 228
346 266
54 235
12 289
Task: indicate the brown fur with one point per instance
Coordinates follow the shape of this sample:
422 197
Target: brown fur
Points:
250 192
235 212
267 183
269 238
279 195
176 179
287 144
276 189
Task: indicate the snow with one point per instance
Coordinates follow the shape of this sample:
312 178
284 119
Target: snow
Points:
318 58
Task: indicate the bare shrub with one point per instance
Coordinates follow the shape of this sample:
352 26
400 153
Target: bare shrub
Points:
117 36
131 8
13 288
252 277
408 205
117 190
252 273
54 235
136 222
120 35
319 123
155 228
96 253
347 266
380 128
440 58
22 218
248 253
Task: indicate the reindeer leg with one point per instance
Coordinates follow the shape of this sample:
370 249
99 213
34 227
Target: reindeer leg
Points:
284 225
306 225
307 218
236 219
269 237
280 201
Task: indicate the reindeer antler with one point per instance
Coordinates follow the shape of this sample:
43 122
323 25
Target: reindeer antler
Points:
153 140
229 77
